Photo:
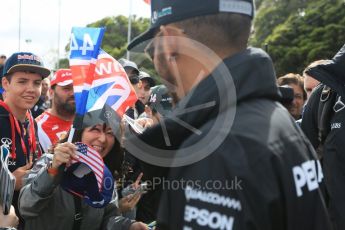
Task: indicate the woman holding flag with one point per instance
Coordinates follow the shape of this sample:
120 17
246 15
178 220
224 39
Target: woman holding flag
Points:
46 201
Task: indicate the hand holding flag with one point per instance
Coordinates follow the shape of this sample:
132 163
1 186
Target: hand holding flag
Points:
88 177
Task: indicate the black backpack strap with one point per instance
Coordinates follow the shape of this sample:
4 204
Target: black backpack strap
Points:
78 216
325 112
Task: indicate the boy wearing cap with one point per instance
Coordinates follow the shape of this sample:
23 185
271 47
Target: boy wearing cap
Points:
141 81
54 124
132 72
22 81
246 163
130 67
146 83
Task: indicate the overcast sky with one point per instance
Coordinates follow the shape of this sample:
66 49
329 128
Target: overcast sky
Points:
39 22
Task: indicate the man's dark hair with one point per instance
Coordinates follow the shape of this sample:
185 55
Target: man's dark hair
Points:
218 31
8 77
315 63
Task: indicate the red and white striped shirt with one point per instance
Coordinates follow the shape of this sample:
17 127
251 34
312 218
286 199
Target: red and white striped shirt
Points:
51 129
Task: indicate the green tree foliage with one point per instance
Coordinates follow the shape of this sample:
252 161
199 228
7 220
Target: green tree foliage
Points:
115 37
298 32
63 64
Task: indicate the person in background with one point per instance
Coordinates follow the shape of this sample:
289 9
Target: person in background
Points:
142 89
146 83
323 125
295 81
22 81
1 93
45 90
130 67
2 63
132 72
54 123
160 103
44 101
309 81
159 106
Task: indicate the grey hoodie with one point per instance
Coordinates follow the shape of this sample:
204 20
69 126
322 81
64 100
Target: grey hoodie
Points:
45 205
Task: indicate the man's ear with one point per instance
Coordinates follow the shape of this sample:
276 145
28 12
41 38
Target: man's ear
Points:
5 83
51 93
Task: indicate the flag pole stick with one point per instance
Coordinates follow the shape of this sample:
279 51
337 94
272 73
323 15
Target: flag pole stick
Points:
129 32
71 134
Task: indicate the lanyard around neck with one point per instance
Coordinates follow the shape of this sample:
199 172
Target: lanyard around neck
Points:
15 125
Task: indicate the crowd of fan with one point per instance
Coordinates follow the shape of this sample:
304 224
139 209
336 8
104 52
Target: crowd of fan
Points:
282 176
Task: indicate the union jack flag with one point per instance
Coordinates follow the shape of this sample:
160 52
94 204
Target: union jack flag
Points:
93 159
100 85
110 86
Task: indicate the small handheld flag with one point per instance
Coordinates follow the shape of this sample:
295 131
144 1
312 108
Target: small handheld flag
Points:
89 178
84 46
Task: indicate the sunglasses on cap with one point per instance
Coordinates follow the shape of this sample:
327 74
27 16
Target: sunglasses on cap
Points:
134 79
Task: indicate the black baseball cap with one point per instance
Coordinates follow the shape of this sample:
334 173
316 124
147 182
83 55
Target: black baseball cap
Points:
130 66
160 100
145 76
127 64
25 62
165 12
